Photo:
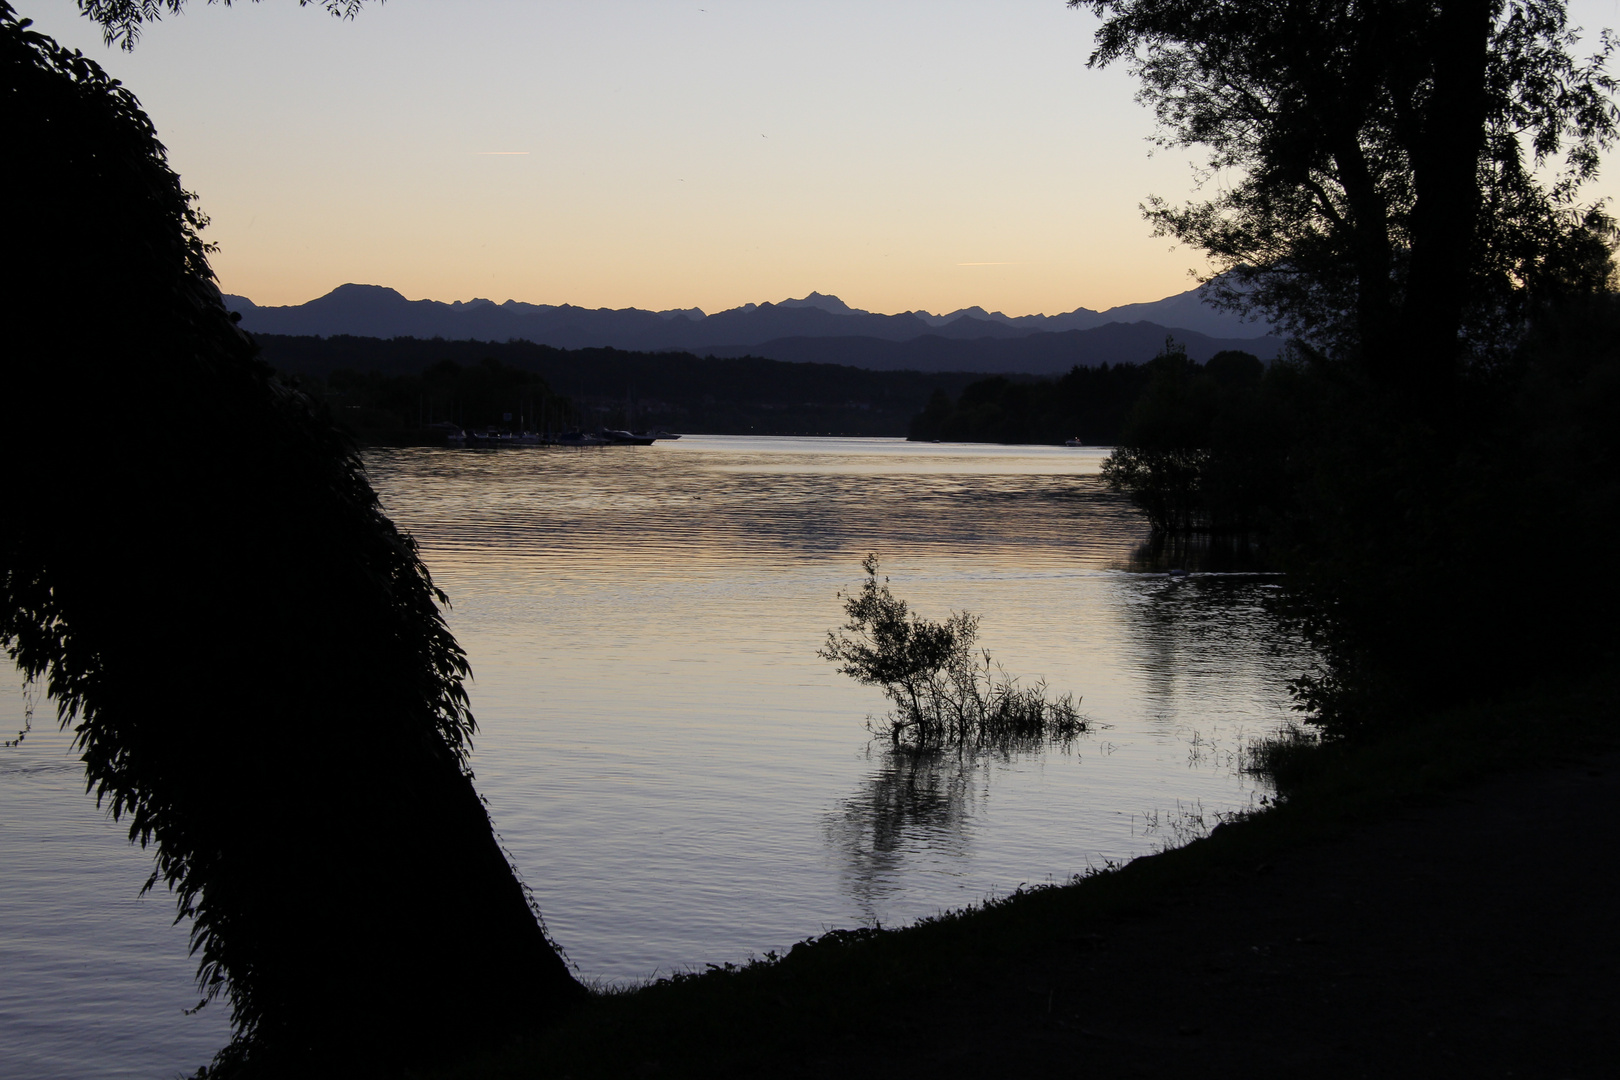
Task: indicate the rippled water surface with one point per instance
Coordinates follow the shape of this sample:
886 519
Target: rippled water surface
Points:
677 775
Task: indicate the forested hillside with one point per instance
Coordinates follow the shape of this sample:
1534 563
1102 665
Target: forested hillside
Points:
391 390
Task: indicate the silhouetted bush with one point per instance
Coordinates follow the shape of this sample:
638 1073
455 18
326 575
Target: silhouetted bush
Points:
945 692
1429 556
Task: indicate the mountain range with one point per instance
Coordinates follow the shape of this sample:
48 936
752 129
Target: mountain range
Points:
816 328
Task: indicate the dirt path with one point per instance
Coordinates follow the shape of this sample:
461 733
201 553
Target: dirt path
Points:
1476 937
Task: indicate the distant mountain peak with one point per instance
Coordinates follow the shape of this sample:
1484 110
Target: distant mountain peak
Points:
355 290
378 311
825 303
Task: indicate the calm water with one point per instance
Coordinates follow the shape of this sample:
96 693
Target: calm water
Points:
676 774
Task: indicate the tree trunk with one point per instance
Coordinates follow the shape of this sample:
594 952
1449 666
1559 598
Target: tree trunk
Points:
1445 215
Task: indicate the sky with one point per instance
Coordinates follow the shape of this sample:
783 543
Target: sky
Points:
900 154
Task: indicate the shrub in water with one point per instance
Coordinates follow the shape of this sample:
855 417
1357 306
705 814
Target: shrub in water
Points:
945 692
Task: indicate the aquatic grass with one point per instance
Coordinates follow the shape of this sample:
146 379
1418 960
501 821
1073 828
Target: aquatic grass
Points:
1284 758
946 693
1187 822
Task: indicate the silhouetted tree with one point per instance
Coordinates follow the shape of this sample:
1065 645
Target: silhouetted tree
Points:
263 685
1399 185
1380 164
1167 437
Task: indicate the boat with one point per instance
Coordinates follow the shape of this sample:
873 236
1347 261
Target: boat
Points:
579 438
497 438
1073 442
626 438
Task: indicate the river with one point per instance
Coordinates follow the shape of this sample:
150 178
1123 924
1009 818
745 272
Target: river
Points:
676 774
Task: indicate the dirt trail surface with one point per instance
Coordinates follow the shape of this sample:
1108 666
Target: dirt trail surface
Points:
1478 936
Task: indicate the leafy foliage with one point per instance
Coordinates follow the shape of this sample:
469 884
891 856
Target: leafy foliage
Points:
945 693
121 20
1398 184
1165 483
307 792
1380 164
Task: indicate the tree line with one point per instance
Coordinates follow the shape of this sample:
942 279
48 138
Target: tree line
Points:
382 408
1092 404
388 390
388 403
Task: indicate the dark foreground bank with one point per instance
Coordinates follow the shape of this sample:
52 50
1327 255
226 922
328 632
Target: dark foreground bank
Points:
1437 903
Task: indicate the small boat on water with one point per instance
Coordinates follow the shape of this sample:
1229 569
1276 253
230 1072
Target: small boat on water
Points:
579 438
1073 442
493 438
627 438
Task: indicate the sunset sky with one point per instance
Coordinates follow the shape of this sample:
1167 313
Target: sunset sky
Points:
902 154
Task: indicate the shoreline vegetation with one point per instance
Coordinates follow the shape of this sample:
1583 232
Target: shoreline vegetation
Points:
1019 982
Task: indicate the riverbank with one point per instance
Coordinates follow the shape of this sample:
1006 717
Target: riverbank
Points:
1434 903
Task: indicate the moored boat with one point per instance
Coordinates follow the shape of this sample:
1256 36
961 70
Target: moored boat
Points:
579 438
626 438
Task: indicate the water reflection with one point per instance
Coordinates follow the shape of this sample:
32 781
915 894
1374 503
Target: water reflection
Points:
709 502
675 772
922 812
1228 553
1193 629
664 606
915 803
